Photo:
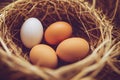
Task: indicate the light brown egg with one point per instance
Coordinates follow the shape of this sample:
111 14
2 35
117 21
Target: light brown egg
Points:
72 49
57 32
43 55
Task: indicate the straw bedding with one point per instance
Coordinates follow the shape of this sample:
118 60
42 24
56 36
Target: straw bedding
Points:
88 23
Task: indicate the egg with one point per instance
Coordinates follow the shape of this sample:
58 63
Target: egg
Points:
31 32
44 56
73 49
57 32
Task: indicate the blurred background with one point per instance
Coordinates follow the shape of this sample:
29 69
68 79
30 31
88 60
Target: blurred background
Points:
4 3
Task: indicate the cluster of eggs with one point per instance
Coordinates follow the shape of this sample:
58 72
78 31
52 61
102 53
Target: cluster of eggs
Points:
69 49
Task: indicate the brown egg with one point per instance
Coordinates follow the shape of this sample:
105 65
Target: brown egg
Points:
57 32
43 55
72 49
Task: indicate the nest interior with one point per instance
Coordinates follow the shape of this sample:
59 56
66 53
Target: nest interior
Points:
83 22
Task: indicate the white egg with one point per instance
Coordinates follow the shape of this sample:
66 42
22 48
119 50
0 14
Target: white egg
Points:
31 32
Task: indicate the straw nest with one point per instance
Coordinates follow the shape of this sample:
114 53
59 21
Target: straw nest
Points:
111 9
88 23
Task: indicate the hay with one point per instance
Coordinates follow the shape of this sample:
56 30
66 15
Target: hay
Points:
87 22
111 9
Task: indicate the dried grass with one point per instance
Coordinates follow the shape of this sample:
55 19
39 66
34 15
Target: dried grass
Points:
87 22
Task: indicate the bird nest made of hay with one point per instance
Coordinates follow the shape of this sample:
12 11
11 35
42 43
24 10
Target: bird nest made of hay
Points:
87 23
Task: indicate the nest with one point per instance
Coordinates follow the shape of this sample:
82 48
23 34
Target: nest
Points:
112 10
87 22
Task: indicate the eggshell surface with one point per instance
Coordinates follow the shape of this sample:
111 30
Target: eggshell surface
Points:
43 55
72 49
57 32
31 32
